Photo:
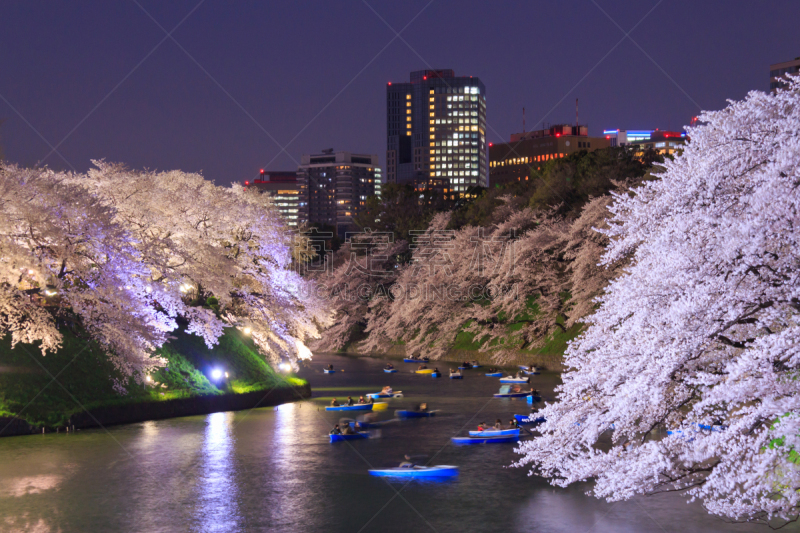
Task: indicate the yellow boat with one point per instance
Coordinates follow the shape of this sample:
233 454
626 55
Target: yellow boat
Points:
425 371
381 406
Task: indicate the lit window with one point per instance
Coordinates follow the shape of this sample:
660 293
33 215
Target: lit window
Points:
408 97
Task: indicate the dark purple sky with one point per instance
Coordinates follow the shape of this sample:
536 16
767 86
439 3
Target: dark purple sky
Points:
91 79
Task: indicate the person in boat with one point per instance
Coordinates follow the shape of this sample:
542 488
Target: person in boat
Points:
512 424
422 367
435 370
421 408
519 375
453 371
361 399
334 403
482 426
516 388
386 390
498 424
347 430
370 400
330 367
535 392
407 463
336 430
492 370
390 366
531 368
350 400
426 358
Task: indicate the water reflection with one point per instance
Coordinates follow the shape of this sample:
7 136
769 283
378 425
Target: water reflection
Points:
219 509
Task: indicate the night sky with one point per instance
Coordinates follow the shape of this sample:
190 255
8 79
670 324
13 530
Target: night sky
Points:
100 79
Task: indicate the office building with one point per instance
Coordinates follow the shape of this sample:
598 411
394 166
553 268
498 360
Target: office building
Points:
334 187
528 151
661 141
436 128
778 72
282 187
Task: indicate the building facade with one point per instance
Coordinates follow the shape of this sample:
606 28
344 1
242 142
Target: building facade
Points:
334 187
778 72
514 161
661 141
283 188
436 128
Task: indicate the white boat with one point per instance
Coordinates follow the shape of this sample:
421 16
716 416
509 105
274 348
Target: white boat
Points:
511 379
393 394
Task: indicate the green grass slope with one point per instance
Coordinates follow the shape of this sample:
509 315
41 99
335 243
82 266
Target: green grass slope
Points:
47 390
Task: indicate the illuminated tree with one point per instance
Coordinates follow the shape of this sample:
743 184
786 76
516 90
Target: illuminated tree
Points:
700 334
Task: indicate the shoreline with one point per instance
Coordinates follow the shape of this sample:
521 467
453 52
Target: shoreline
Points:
546 361
140 412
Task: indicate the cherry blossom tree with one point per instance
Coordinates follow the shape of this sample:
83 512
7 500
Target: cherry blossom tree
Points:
61 251
686 378
203 243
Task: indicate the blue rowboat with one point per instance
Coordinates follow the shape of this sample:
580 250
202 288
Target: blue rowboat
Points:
356 407
535 370
436 375
525 419
533 398
495 374
413 414
395 394
355 436
417 471
412 360
465 367
328 371
475 364
365 425
512 394
390 370
457 376
484 440
495 433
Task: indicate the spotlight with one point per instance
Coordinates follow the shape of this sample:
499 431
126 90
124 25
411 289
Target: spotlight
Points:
216 374
247 331
286 367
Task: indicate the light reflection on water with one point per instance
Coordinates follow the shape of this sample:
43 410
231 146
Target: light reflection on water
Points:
219 510
274 469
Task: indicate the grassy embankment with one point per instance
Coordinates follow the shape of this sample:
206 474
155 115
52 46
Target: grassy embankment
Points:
84 376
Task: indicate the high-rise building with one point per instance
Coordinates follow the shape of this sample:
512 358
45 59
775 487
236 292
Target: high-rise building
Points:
778 72
334 187
515 160
436 128
282 187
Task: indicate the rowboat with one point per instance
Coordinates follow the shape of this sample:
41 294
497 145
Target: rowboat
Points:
436 375
484 440
529 419
509 379
390 370
417 471
495 374
529 372
512 394
354 436
328 371
356 407
414 414
424 371
395 394
456 375
475 364
495 433
413 360
464 367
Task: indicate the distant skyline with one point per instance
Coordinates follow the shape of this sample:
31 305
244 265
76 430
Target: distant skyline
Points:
101 80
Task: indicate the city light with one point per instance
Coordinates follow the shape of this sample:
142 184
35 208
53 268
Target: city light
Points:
216 374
